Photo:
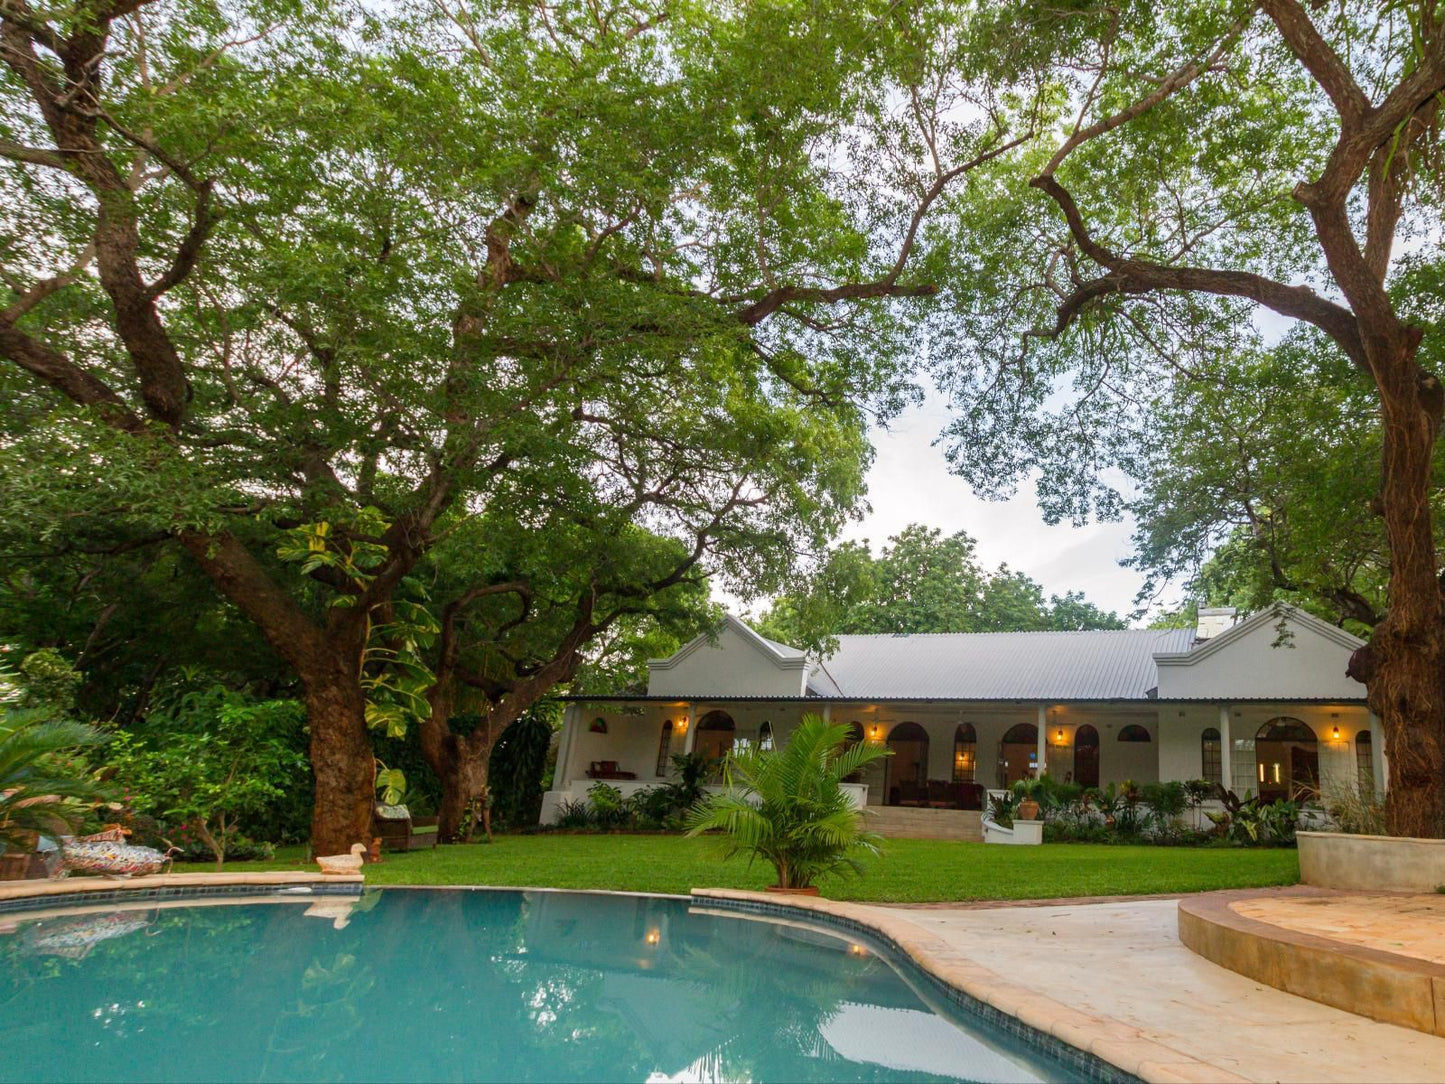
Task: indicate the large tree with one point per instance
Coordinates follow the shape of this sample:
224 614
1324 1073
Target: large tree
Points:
922 581
303 287
1219 157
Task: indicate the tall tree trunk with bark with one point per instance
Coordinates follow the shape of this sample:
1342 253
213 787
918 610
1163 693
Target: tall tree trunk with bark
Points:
460 763
342 761
1404 665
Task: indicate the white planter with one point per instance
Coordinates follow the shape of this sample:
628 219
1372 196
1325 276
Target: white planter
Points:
1371 863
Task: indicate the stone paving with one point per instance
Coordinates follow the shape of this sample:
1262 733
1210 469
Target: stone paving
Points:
1406 925
1124 962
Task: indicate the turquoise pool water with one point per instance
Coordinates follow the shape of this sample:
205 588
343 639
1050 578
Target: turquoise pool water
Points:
458 985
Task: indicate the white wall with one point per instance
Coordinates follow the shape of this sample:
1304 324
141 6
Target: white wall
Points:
1251 662
733 663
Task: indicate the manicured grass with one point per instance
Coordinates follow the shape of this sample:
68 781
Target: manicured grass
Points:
911 870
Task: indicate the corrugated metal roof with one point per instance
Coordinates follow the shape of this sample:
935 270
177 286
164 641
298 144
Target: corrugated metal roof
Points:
1095 665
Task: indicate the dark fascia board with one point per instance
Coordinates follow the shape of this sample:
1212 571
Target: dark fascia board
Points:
1143 701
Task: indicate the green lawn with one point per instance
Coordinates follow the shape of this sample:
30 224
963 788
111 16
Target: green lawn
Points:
911 870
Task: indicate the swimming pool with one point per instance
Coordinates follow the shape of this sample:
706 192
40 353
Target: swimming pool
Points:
408 984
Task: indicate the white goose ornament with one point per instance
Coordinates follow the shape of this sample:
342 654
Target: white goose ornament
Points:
343 863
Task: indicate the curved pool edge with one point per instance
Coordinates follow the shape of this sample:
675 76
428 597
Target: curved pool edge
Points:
19 897
1088 1041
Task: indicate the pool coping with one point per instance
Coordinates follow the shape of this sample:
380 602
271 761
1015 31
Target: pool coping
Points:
1390 987
20 896
1035 1018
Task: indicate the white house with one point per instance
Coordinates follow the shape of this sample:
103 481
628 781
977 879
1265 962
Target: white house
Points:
1259 703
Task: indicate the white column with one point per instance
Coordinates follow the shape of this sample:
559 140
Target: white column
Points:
1377 751
691 735
1226 750
827 711
1043 729
565 744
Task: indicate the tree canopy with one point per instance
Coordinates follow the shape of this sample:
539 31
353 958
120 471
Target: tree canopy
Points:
922 581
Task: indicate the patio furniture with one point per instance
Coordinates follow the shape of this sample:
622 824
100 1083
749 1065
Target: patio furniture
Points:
400 831
608 769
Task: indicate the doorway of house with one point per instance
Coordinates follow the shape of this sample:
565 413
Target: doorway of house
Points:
1286 760
1018 754
1086 756
907 771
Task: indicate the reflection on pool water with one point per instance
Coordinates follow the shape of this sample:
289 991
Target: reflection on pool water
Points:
461 985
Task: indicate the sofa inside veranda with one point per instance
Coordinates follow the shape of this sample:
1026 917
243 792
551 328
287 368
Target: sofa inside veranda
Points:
937 794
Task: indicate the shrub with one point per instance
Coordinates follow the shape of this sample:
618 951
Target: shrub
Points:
788 806
574 813
518 762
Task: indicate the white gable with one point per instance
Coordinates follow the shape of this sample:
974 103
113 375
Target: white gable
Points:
734 661
1281 652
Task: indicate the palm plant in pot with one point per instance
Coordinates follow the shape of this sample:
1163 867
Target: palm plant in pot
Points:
43 792
789 806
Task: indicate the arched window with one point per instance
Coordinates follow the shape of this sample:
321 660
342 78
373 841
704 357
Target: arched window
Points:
1211 765
965 753
1286 760
715 732
765 736
1365 762
907 768
1134 733
664 748
1018 754
1086 756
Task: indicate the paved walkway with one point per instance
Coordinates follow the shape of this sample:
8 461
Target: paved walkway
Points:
1406 925
1124 960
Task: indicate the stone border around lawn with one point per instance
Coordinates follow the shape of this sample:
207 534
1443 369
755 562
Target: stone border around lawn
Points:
1100 1047
19 896
1383 986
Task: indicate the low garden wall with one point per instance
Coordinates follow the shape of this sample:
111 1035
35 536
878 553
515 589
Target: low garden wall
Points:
1371 863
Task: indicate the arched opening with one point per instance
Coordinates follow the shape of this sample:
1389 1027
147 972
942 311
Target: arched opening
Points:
1086 756
1286 760
664 749
1365 763
1018 754
715 732
765 737
1211 756
965 753
1134 733
907 779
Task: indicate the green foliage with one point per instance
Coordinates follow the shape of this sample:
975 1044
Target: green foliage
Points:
48 682
518 762
788 806
209 780
46 790
921 582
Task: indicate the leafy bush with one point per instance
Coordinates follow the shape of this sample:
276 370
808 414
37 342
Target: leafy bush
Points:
788 806
574 813
518 762
45 790
206 782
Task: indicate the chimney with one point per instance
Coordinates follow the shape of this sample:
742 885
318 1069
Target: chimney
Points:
1214 620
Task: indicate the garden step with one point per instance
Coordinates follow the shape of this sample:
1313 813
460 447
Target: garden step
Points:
906 822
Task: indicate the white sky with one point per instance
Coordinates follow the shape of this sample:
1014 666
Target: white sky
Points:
910 483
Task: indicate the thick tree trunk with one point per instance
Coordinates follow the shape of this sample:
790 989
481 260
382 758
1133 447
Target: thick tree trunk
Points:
1406 667
342 761
460 763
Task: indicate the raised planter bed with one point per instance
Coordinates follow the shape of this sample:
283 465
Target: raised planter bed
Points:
1371 863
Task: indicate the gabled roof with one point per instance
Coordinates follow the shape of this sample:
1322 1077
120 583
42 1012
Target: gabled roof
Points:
785 657
1094 665
1274 615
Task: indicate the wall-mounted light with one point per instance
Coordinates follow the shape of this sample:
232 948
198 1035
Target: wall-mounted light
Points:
1336 733
1059 737
681 726
875 732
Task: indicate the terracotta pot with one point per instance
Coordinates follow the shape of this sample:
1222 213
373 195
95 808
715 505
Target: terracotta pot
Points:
808 890
1028 810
